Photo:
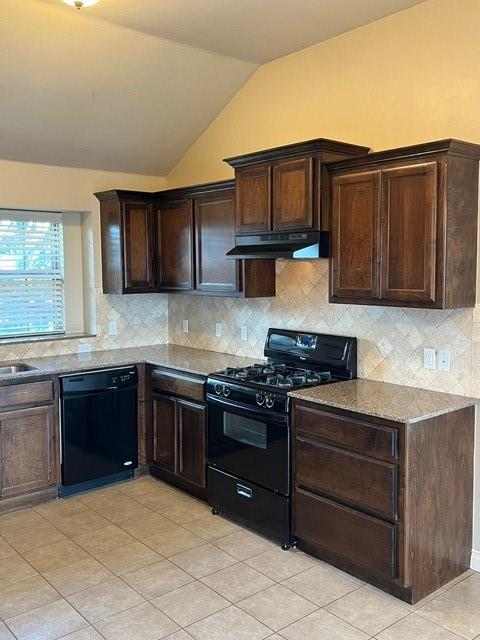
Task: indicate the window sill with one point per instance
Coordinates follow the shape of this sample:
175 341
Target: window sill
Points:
52 338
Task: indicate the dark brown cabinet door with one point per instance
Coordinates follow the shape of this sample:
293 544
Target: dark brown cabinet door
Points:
175 245
355 236
27 451
215 235
409 229
292 194
191 425
164 432
139 242
253 199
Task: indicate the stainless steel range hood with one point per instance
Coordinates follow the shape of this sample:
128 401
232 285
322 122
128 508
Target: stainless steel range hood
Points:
308 244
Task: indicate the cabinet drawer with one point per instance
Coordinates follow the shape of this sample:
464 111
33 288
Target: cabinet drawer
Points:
26 394
360 539
179 384
353 434
349 477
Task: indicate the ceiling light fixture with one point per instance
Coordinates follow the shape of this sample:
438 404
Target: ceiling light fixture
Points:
80 3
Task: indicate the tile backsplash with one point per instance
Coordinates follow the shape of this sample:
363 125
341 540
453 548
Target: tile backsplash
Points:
141 320
390 340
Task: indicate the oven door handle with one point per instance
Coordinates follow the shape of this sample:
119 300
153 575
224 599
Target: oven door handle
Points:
254 412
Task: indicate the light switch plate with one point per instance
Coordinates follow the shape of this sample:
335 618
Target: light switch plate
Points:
429 359
112 328
444 361
185 326
218 329
244 332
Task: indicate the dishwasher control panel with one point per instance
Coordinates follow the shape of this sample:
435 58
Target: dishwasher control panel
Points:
101 380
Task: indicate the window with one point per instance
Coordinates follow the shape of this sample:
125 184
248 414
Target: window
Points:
31 274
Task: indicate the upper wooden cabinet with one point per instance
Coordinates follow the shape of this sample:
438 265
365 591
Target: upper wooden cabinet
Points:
354 235
175 244
128 242
204 224
404 227
292 197
176 241
253 199
281 189
214 236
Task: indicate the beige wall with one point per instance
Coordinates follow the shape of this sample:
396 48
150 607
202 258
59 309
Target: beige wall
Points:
411 77
141 319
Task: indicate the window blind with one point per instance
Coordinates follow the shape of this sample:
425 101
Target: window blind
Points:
31 274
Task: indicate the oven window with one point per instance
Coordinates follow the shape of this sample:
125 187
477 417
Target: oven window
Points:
245 430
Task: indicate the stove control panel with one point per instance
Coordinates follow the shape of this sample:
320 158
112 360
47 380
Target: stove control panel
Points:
265 399
247 395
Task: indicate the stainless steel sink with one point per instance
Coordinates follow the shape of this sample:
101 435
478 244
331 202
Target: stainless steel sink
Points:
17 367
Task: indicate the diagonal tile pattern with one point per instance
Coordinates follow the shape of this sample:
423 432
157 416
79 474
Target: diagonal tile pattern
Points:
390 340
144 561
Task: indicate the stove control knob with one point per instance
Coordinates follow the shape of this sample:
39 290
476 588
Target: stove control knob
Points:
260 398
226 392
269 401
218 389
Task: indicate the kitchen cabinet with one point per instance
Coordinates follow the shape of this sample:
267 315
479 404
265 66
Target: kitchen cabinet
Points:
28 444
404 227
175 245
214 227
359 500
282 189
176 242
127 241
179 430
204 232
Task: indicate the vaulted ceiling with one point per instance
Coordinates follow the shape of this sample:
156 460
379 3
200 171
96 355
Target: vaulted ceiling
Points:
128 85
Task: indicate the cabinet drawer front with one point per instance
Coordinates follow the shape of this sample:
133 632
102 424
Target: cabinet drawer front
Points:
179 384
362 482
26 394
363 437
362 540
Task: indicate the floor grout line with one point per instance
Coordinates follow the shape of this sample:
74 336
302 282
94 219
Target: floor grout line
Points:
212 542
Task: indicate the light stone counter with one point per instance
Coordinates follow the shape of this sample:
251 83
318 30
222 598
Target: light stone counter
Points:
197 361
383 400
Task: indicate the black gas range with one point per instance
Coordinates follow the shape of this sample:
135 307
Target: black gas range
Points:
249 448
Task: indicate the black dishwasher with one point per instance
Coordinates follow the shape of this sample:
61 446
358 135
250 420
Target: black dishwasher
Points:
99 428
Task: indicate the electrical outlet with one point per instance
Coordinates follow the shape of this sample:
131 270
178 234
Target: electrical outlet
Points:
429 359
444 361
244 332
112 328
185 326
218 329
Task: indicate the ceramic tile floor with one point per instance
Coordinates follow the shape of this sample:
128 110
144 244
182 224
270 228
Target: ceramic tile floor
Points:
143 561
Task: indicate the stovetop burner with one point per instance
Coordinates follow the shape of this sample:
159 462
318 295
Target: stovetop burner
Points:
279 375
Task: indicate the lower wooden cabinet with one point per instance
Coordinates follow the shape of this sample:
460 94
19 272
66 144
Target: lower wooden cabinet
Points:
27 451
389 502
191 426
28 444
164 432
179 436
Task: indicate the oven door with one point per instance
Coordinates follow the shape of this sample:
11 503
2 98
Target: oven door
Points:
250 443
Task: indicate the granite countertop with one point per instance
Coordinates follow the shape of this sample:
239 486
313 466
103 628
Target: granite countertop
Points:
198 361
388 401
